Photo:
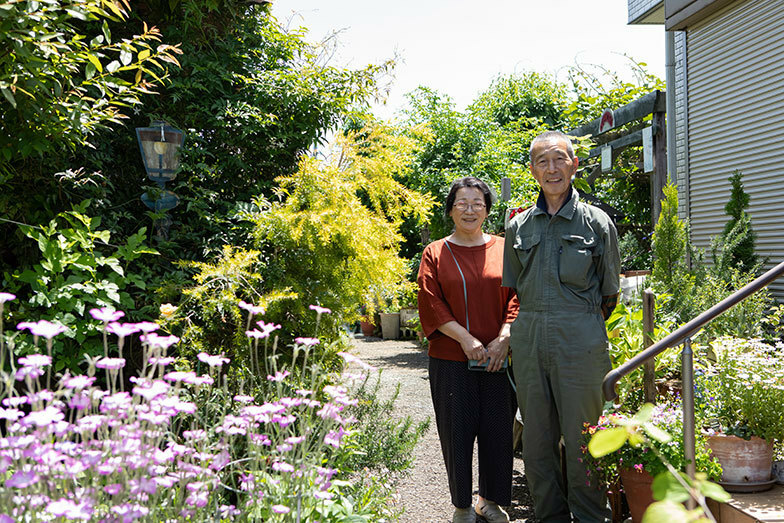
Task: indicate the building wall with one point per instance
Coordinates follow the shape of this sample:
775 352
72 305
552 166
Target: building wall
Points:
637 8
681 127
735 120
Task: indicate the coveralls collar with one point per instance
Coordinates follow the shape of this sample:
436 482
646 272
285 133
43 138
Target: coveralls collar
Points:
567 209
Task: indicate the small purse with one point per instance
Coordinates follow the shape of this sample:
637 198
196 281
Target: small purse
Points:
472 364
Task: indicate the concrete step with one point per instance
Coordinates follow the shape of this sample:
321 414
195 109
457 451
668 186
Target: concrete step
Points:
758 507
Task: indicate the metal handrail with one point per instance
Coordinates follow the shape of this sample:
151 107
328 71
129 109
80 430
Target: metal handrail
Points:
686 331
684 334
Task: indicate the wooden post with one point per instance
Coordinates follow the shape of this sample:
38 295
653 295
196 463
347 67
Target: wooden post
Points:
659 175
649 370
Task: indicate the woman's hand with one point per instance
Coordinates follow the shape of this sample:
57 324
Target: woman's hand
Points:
498 349
473 348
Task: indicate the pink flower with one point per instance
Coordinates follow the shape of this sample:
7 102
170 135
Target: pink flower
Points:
110 363
638 467
162 361
44 328
280 509
179 376
320 310
123 330
151 390
242 398
279 376
41 418
69 509
156 340
106 314
199 380
308 342
267 327
6 296
350 358
113 489
35 360
252 309
333 437
212 361
148 326
78 382
256 333
282 466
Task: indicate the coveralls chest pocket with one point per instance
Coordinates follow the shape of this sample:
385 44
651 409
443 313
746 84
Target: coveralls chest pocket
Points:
575 257
525 248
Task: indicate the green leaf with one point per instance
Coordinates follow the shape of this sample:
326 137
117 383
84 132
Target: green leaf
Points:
95 61
125 57
143 54
113 65
582 185
606 441
9 96
712 490
667 487
665 512
657 433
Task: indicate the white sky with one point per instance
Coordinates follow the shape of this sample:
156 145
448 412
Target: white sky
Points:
457 47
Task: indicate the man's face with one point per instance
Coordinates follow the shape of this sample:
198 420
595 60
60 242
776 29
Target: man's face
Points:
552 167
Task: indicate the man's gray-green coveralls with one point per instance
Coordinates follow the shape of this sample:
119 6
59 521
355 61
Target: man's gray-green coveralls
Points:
561 266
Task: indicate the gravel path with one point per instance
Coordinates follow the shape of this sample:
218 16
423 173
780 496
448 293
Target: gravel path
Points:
424 492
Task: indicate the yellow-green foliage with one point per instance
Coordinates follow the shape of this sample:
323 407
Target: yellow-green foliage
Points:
333 237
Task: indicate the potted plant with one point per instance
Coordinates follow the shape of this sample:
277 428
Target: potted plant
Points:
635 465
740 402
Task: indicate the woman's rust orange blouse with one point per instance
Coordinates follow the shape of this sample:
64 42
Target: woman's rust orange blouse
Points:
441 298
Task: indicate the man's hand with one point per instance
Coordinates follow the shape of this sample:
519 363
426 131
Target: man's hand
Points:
497 350
608 305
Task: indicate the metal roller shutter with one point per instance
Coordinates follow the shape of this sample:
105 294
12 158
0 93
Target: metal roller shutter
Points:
735 63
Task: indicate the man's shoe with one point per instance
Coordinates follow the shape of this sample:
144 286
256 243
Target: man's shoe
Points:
464 515
491 512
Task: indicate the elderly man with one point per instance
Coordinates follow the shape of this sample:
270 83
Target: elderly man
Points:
561 256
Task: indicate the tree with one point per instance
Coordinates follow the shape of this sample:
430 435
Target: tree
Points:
735 246
60 85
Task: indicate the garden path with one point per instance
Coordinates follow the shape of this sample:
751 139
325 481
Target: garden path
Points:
424 492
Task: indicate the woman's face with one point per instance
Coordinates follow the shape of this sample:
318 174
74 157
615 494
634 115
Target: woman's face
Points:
468 211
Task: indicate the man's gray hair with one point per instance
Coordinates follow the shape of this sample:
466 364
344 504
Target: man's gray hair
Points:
550 135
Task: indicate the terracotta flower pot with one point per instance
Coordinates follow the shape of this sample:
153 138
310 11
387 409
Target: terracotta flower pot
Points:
744 463
637 488
367 328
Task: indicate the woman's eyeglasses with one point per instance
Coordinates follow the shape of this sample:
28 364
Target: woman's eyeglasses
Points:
463 205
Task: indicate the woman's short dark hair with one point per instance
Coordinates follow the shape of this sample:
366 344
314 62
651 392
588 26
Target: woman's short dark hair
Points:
467 182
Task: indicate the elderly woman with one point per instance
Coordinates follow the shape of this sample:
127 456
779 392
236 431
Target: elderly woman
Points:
466 315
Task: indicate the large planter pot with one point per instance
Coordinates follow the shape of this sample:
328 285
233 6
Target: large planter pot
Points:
637 488
390 325
746 464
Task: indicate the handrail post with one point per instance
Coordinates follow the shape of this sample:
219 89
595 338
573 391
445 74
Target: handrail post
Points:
649 367
689 441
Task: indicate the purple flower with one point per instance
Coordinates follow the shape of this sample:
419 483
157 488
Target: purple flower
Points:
295 439
320 310
21 479
199 380
212 361
256 333
123 330
35 360
44 328
280 509
110 363
130 511
179 375
24 372
242 398
279 376
6 296
106 314
309 342
198 498
252 309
